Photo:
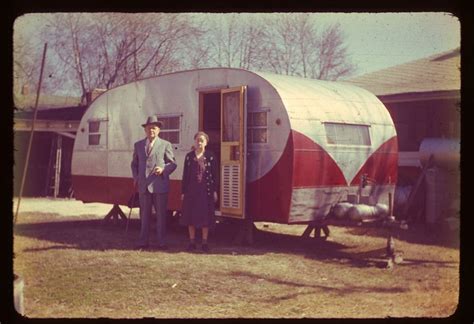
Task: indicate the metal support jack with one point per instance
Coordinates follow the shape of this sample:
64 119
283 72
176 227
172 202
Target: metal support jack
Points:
245 232
114 215
318 226
132 201
391 224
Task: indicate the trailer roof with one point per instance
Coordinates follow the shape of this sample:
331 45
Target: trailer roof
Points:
327 100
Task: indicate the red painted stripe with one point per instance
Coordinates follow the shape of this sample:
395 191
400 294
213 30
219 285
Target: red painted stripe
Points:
115 190
95 189
174 196
313 166
382 165
303 163
269 198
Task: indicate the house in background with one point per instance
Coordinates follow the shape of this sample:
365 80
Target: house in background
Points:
49 167
424 99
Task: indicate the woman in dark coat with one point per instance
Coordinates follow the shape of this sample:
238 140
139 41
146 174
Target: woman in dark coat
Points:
199 191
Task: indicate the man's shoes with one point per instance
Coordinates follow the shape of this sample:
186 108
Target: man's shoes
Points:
141 247
191 247
163 247
205 248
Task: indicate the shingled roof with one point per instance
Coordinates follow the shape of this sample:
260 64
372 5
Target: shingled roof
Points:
49 107
440 72
27 102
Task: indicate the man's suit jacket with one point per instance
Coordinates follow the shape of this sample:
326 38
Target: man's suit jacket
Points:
142 165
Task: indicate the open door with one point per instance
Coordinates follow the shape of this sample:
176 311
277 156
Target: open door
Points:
233 151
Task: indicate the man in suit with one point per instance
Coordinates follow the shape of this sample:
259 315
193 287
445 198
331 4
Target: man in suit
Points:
153 161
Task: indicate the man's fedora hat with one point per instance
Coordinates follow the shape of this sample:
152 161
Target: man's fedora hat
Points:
153 120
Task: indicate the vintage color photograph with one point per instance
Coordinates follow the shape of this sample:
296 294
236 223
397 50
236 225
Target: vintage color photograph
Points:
236 165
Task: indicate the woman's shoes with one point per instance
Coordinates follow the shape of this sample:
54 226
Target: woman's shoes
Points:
191 247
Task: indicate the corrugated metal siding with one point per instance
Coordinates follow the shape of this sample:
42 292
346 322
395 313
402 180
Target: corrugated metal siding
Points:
309 100
311 103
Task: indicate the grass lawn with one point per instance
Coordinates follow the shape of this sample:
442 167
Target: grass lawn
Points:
76 267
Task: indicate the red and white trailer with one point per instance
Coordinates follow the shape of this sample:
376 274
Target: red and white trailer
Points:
289 148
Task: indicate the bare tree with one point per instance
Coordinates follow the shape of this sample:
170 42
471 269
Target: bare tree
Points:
289 44
71 37
195 53
281 44
221 37
307 43
330 61
105 50
28 45
294 46
166 37
251 45
235 40
23 61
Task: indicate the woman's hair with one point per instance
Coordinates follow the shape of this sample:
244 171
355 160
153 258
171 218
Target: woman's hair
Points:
201 133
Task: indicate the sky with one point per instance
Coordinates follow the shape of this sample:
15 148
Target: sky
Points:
378 40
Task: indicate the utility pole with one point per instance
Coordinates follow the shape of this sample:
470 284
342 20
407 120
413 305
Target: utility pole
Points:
25 169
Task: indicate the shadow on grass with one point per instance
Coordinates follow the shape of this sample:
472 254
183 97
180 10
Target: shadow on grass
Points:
93 234
88 234
416 233
315 288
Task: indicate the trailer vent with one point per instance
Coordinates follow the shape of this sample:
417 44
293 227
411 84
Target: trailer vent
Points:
231 186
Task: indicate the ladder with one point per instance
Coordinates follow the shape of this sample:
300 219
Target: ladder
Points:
54 168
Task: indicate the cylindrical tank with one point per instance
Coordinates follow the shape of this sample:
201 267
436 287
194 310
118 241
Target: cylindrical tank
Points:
442 194
445 151
360 212
18 286
382 210
442 177
340 209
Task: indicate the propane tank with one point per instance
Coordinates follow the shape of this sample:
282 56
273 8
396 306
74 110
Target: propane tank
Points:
445 152
360 212
340 209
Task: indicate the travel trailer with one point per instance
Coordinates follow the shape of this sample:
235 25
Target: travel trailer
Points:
289 148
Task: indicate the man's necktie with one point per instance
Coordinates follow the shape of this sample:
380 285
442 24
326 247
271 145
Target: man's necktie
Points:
148 150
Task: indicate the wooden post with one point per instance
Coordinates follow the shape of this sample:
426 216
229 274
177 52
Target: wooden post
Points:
25 169
390 204
390 207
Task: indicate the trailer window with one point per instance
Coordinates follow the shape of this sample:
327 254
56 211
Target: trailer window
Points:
231 117
346 134
97 133
257 127
170 129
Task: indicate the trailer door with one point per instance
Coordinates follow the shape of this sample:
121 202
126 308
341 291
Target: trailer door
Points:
233 151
